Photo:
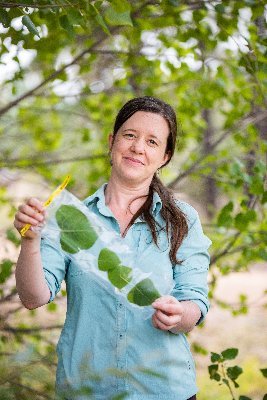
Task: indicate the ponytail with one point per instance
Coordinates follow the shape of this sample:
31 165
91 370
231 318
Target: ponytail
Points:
175 219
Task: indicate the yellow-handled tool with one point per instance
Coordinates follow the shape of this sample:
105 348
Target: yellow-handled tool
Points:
48 201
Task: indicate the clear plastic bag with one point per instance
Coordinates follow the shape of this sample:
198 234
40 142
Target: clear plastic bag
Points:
84 238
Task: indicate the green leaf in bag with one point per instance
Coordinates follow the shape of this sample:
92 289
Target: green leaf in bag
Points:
77 232
30 25
108 260
143 293
120 276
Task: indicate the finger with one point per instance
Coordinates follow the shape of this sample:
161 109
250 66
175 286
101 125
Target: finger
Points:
160 325
22 218
32 211
167 320
35 203
154 321
169 308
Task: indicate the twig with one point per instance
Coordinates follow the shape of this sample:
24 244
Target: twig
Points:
23 5
29 330
30 390
15 163
241 125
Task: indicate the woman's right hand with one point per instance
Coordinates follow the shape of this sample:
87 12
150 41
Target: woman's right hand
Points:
33 213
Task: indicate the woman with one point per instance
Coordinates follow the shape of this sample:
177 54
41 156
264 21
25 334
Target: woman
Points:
105 347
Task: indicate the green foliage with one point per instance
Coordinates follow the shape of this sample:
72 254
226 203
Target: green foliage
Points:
5 270
118 274
76 231
227 376
74 64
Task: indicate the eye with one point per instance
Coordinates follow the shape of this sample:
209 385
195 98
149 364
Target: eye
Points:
152 142
128 135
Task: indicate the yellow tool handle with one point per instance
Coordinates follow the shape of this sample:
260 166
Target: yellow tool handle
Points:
48 201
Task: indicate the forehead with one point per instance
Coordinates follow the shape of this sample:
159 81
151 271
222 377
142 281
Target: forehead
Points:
147 122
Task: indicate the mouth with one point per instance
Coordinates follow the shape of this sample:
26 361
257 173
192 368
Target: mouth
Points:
134 160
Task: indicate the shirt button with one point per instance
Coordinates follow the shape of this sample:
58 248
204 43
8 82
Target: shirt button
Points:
120 305
120 335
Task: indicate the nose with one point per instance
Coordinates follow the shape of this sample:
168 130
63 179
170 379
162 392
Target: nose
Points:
138 146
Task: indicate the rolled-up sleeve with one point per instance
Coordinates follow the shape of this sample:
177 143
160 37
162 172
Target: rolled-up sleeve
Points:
191 277
54 265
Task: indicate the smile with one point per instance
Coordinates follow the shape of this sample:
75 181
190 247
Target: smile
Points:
133 160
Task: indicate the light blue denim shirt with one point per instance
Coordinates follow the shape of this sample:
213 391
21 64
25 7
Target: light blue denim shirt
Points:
109 348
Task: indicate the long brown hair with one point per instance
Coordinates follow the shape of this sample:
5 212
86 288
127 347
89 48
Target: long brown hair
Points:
176 223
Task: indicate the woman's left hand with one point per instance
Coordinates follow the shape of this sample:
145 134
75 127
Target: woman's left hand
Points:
169 313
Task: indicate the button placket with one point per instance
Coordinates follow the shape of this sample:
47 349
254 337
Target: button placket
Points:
121 343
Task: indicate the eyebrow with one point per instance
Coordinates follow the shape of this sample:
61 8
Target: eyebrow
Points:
134 130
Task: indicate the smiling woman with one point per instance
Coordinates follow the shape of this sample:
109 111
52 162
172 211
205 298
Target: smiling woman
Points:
106 348
138 148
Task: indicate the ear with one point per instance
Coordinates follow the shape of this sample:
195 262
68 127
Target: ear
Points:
166 158
110 141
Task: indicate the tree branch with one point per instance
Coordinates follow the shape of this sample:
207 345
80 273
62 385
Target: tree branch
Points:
241 125
35 162
215 257
31 92
29 330
23 5
36 392
92 48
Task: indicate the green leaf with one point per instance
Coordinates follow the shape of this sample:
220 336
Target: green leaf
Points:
234 372
52 307
220 8
264 198
120 276
143 293
65 24
5 270
11 235
243 219
108 260
118 18
264 372
100 20
257 186
30 25
230 354
244 398
4 18
76 231
120 396
213 368
265 397
225 218
121 5
215 357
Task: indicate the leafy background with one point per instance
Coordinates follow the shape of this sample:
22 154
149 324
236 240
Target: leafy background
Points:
66 67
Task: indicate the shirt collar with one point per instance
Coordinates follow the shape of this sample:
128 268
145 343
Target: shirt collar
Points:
99 198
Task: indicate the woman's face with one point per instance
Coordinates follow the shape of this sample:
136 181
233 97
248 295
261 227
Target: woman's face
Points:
139 146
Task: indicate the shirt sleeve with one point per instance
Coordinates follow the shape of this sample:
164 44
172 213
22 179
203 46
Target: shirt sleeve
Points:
191 275
54 265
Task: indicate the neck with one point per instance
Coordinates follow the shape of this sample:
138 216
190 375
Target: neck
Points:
121 194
